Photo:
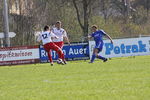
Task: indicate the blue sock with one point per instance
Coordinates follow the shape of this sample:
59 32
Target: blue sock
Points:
93 58
100 57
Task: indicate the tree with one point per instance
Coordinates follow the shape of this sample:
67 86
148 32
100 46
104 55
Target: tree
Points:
83 14
106 9
28 16
1 15
144 3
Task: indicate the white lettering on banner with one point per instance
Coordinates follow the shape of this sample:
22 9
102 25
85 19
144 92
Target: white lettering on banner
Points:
124 47
77 51
43 53
64 51
72 51
53 53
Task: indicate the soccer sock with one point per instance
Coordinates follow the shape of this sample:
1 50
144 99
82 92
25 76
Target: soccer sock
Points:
60 54
63 56
50 57
100 57
93 58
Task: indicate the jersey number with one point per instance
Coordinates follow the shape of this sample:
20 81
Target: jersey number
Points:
44 36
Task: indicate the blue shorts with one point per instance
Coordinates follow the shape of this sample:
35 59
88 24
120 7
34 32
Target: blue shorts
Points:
99 46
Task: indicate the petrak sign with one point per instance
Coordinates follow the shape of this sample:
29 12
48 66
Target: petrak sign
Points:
72 52
124 47
19 55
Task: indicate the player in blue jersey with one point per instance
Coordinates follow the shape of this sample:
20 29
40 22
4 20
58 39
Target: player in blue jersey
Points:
98 38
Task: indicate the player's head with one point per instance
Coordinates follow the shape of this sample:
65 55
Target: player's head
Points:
46 28
58 24
94 28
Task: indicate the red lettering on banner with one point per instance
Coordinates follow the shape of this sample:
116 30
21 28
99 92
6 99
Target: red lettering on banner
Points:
19 55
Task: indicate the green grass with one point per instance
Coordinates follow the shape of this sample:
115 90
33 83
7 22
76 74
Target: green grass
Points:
118 79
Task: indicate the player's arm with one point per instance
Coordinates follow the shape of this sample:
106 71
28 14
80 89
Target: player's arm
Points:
66 37
89 36
53 36
39 39
108 36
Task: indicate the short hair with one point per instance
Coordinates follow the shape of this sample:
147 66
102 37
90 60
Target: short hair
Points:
46 27
94 26
58 22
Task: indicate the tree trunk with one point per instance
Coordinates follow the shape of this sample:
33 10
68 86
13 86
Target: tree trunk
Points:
86 19
147 7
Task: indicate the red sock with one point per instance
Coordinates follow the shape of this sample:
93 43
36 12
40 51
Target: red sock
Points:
49 56
61 54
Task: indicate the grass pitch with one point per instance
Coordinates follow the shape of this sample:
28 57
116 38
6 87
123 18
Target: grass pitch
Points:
118 79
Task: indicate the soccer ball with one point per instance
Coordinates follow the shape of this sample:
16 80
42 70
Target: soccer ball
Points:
59 61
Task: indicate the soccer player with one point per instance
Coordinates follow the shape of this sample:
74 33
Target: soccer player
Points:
98 38
61 34
46 38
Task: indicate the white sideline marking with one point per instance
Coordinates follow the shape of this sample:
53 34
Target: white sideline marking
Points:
82 81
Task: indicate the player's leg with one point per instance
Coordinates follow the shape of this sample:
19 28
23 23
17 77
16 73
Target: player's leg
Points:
60 45
58 51
48 50
102 58
50 57
98 48
95 53
60 54
99 56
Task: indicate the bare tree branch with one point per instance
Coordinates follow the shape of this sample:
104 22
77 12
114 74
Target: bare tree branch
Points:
78 15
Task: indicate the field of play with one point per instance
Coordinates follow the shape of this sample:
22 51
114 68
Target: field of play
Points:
117 79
